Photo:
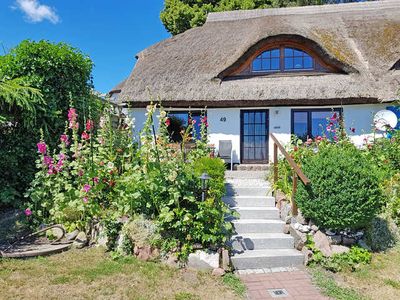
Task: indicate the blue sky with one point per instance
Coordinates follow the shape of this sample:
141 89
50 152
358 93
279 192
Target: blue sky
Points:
110 32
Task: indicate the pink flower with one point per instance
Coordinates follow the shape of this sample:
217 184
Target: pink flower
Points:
204 120
61 156
89 125
42 148
96 180
72 116
334 117
85 199
28 212
335 138
80 173
47 160
167 122
309 142
64 139
86 188
85 135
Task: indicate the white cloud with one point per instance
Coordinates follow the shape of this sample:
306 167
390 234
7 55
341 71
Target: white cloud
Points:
36 12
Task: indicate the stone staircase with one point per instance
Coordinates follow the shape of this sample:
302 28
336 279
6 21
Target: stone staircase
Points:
259 241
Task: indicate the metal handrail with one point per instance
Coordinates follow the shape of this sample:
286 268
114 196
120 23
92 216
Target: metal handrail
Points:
297 172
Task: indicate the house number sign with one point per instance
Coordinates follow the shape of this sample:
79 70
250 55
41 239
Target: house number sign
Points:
223 119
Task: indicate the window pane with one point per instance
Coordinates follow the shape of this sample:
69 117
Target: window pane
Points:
300 124
258 117
298 63
319 120
288 63
298 52
260 141
308 62
248 129
260 129
266 64
259 154
266 54
275 53
275 63
257 64
288 52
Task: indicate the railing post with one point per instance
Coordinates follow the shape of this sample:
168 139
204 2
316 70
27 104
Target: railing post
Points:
294 189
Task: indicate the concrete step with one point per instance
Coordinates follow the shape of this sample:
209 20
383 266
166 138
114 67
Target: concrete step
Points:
254 212
244 226
257 241
247 190
252 167
249 201
244 175
267 258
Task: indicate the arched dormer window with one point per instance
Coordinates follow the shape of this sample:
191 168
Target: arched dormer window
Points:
284 56
283 59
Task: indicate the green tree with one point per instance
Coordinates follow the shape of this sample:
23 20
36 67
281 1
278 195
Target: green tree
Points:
181 15
62 74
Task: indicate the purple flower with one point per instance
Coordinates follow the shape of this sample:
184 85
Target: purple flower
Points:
85 199
28 212
86 188
96 179
42 148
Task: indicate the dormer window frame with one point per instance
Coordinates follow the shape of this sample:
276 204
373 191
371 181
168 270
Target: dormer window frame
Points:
319 66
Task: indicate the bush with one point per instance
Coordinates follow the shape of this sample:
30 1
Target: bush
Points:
215 168
63 75
344 192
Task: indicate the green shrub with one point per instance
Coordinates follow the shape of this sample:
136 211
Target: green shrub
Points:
215 168
344 192
381 233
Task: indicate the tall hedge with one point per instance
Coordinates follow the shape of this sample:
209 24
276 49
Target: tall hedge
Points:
345 189
63 75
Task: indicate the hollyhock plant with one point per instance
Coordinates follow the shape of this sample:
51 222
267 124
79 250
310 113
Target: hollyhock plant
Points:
64 139
85 135
42 147
168 122
86 188
89 125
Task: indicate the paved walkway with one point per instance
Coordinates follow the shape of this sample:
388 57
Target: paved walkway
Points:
297 285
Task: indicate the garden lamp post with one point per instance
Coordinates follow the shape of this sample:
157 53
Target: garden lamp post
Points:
204 180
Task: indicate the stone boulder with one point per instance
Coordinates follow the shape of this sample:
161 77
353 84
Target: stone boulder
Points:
301 219
72 235
57 232
300 238
218 272
80 241
322 243
225 260
339 249
203 260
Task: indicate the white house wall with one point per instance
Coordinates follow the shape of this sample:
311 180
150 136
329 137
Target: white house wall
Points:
224 123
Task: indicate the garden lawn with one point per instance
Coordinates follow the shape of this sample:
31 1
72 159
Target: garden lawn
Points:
92 274
379 280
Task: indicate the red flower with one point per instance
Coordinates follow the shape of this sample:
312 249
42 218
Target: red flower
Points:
167 122
85 135
28 212
204 120
89 125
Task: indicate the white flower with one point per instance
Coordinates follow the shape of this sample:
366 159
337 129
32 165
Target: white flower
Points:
163 114
102 122
110 165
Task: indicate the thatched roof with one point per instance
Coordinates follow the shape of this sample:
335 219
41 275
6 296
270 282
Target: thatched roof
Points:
118 88
190 69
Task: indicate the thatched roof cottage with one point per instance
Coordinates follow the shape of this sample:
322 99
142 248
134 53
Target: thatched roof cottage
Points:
275 70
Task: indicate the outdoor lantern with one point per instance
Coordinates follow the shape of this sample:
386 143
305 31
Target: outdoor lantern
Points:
204 180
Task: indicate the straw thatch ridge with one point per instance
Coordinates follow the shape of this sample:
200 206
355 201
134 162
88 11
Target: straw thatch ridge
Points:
190 68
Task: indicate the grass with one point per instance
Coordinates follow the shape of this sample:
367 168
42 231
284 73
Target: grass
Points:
378 280
92 274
